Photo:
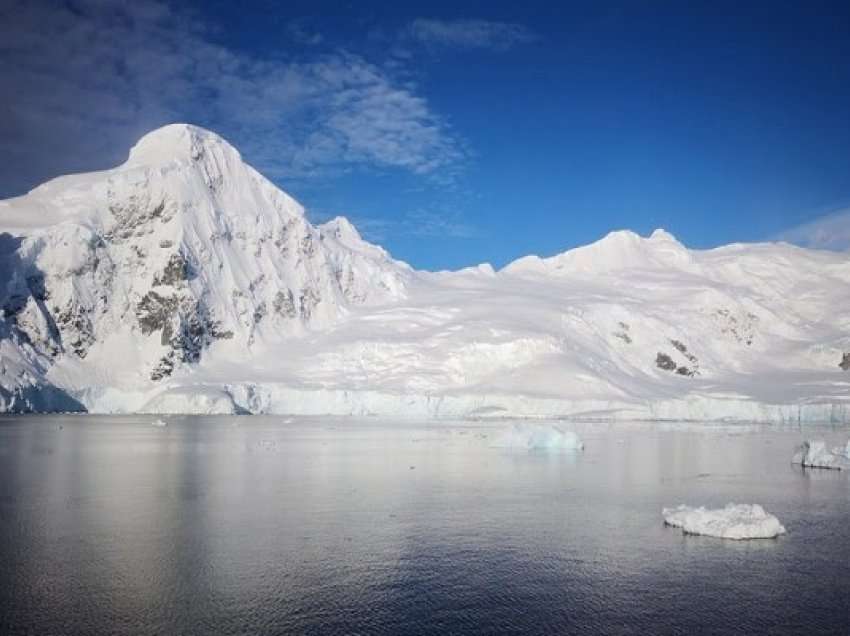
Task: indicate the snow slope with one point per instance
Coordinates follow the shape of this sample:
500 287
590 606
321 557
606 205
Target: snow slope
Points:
185 281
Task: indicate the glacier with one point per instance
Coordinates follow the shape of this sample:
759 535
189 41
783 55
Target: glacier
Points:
183 281
734 521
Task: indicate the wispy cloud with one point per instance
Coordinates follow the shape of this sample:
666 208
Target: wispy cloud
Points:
82 84
830 232
470 34
424 222
420 222
299 31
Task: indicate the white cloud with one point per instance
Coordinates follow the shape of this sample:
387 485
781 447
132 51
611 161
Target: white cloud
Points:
81 85
830 232
481 34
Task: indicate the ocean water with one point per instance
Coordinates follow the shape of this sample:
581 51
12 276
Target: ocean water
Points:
267 525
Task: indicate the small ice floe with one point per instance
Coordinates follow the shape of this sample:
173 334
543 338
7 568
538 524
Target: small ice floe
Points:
537 437
159 423
814 454
735 521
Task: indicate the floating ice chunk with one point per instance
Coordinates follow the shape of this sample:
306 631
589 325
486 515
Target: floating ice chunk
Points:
735 521
814 454
537 437
159 423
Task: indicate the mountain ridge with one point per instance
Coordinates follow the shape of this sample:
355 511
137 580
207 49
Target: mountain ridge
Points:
184 280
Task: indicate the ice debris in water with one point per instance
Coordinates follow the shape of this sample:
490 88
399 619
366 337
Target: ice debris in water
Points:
159 423
537 437
735 521
814 454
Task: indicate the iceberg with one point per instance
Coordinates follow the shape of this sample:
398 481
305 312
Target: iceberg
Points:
537 437
735 521
815 454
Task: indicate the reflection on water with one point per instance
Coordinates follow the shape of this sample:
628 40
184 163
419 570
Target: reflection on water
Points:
253 525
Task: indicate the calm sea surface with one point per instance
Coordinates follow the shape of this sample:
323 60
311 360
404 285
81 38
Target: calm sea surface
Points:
255 525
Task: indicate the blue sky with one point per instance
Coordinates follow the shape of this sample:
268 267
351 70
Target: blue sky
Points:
456 133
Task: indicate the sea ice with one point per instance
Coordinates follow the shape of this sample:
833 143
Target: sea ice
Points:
537 437
815 454
735 521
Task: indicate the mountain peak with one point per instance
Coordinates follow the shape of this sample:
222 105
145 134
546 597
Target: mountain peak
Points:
660 234
176 142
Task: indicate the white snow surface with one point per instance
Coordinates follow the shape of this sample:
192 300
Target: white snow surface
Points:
530 436
816 454
735 521
184 281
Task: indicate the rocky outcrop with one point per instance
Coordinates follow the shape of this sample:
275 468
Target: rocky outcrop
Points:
665 362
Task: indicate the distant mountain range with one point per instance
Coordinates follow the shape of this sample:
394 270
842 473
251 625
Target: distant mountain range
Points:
185 282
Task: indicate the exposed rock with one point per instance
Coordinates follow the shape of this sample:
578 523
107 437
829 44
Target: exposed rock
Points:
665 362
307 302
681 348
176 271
845 362
739 325
154 311
623 334
284 304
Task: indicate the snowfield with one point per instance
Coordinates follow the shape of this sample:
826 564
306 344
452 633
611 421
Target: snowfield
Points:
735 521
185 282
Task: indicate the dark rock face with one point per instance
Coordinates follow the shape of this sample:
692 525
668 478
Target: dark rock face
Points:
845 362
132 216
665 362
284 304
681 348
186 326
154 311
623 333
307 301
176 271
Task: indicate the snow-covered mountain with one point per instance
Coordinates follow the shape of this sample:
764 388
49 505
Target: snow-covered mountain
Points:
183 281
122 278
